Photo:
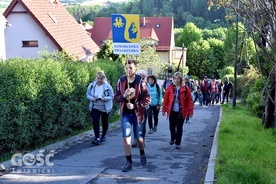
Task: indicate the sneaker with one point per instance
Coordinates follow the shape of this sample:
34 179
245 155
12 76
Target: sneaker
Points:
127 167
134 144
103 139
96 141
151 131
143 159
177 146
155 129
171 142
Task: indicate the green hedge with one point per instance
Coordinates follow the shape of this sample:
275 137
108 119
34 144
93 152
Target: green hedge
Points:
42 99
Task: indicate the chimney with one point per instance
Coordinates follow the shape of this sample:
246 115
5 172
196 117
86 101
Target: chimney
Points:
144 21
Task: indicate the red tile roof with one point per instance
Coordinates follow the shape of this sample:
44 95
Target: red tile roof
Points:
102 30
59 25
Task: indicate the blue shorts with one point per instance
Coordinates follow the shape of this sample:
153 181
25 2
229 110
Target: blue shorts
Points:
127 122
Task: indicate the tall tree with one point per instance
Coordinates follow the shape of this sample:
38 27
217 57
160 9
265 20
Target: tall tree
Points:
189 34
260 20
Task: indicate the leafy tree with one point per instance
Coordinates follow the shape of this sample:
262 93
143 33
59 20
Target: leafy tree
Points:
199 22
218 33
189 34
148 59
78 11
198 59
229 43
106 53
259 18
218 53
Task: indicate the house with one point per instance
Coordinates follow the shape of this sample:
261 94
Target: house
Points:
39 25
159 30
3 24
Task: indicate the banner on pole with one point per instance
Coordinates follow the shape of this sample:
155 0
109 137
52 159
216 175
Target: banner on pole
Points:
126 33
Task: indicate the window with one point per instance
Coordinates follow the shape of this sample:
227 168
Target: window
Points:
33 43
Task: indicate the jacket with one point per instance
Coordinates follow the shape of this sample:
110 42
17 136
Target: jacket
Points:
185 98
108 95
142 97
155 95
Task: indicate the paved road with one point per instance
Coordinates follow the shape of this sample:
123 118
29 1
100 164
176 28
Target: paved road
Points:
80 162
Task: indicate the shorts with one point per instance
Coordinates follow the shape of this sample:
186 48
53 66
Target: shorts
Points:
128 122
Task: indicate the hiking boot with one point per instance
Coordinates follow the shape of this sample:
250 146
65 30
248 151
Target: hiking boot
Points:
96 141
155 129
171 142
103 139
151 131
143 160
127 167
177 146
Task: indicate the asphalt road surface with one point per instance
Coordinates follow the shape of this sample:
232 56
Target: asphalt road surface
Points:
76 161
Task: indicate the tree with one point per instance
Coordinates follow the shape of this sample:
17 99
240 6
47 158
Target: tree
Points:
189 34
199 59
148 59
259 18
229 43
218 53
106 52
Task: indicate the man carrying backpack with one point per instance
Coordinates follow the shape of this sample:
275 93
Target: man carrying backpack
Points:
205 88
191 86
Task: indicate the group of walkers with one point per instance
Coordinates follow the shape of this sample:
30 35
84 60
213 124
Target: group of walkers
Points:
209 91
140 98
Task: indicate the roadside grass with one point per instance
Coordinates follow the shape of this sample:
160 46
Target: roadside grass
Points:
246 150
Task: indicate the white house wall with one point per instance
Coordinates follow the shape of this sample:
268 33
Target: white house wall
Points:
24 28
164 56
2 38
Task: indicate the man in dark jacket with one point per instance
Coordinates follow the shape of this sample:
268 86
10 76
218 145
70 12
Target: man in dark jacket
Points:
133 96
227 86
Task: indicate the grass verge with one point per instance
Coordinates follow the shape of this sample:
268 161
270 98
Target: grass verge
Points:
246 150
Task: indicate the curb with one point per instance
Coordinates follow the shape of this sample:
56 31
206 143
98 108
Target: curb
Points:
210 173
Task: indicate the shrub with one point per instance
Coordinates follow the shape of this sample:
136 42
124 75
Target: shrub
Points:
42 99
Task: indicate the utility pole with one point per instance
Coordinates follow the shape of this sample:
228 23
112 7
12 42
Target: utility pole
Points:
183 58
236 59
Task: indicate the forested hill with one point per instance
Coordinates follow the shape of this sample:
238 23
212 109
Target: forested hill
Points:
183 11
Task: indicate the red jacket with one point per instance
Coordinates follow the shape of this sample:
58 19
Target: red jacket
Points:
142 97
185 98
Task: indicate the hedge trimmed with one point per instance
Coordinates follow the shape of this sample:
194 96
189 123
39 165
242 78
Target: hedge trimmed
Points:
44 99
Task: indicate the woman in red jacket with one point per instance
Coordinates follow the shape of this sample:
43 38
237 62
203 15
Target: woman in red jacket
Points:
178 104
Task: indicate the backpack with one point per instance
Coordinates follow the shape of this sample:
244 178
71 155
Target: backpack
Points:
158 89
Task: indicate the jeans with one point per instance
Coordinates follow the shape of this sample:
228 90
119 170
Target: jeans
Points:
128 121
225 95
206 98
96 115
152 111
